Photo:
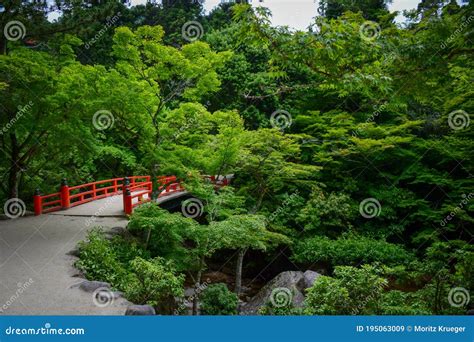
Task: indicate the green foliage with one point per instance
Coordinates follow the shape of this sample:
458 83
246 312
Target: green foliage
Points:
352 291
98 260
350 249
155 282
216 299
163 233
371 9
370 118
246 231
403 303
326 214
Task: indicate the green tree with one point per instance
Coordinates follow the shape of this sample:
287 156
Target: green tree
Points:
351 291
155 283
244 232
218 300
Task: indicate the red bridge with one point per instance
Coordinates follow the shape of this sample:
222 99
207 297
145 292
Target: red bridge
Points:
134 190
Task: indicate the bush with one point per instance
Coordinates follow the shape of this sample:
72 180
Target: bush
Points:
155 283
350 249
163 233
98 260
218 300
352 291
404 303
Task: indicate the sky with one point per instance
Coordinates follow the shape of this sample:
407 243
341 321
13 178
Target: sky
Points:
298 14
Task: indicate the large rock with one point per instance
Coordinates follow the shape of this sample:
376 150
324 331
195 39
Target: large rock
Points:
285 288
308 279
91 286
140 310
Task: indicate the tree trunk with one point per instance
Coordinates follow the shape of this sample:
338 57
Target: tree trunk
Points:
238 271
197 287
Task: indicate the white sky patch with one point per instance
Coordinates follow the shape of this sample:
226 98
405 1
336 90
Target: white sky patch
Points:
297 14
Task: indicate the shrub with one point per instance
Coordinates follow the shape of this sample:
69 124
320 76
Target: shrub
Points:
162 232
404 303
351 291
155 283
350 249
98 260
218 300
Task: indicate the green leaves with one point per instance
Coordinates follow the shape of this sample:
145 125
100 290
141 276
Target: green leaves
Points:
218 300
352 291
155 283
350 249
246 231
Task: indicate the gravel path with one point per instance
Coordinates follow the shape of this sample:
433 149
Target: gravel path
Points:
36 270
36 267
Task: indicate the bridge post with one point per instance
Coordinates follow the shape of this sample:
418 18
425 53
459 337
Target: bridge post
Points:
64 194
128 208
125 186
37 202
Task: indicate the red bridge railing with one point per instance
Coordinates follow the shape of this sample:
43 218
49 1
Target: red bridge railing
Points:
136 190
68 197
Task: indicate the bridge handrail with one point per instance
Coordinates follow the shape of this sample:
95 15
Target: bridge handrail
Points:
69 197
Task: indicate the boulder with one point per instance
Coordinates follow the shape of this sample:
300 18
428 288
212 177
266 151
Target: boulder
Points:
91 286
282 290
140 310
308 279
